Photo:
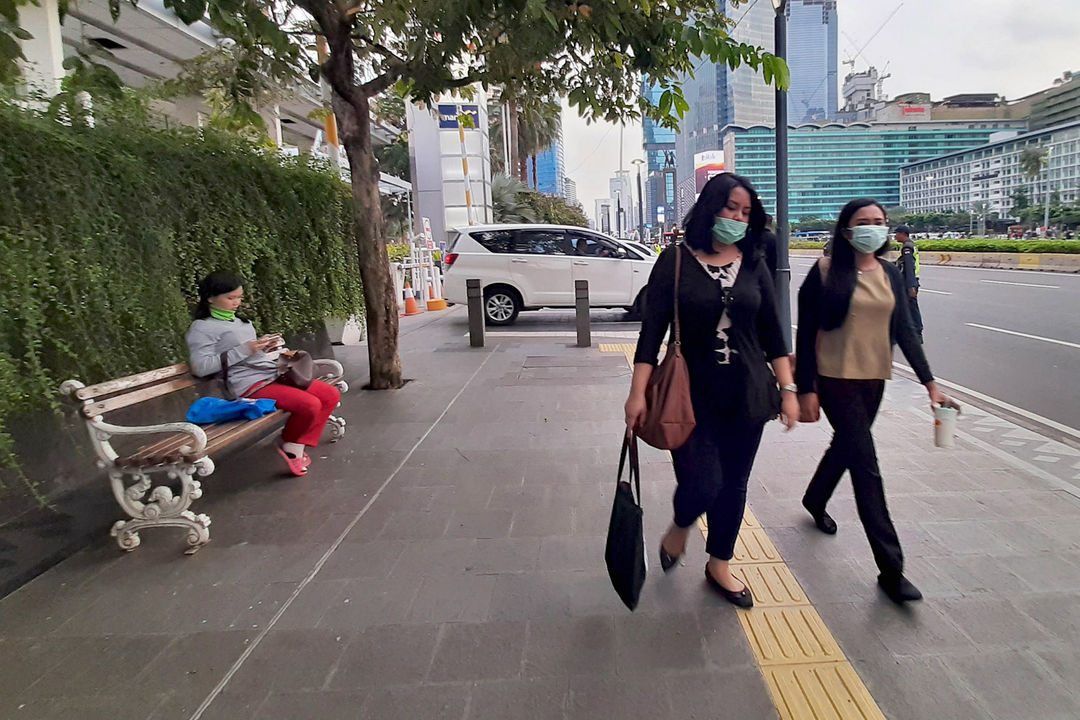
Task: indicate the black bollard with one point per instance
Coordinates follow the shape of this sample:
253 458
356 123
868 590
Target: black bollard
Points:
476 312
581 303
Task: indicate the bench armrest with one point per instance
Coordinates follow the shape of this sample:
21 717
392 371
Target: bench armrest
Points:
101 431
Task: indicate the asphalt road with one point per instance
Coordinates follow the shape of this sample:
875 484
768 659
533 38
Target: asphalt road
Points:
971 318
1010 334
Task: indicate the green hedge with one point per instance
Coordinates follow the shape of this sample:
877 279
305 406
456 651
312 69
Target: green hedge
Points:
976 245
105 232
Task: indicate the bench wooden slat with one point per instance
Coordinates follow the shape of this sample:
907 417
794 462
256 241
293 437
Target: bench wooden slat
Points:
131 381
133 398
219 435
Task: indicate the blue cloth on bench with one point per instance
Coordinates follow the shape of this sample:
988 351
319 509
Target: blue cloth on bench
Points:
207 410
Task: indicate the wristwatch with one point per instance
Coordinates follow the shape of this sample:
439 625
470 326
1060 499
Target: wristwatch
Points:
790 388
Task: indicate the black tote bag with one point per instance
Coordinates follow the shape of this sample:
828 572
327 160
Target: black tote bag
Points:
625 552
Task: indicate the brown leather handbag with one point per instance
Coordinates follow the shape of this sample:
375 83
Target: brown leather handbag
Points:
669 418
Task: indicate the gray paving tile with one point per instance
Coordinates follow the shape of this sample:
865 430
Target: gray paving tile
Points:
726 647
192 665
417 701
503 555
531 596
311 604
366 602
480 523
386 655
992 621
529 699
626 699
1046 572
440 557
645 644
916 629
967 537
226 706
1058 613
579 552
737 693
290 660
916 688
91 707
850 627
1064 663
354 560
570 647
464 598
319 705
1011 685
479 651
541 522
36 657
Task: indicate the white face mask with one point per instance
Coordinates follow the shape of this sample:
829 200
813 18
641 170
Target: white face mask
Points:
868 238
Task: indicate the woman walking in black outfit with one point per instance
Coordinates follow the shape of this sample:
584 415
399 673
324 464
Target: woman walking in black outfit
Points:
852 309
730 329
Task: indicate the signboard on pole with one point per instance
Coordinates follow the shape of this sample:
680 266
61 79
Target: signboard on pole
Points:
429 241
706 165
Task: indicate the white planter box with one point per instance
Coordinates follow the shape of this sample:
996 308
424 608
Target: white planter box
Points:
346 332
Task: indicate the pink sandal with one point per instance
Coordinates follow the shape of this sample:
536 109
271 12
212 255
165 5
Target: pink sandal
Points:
296 465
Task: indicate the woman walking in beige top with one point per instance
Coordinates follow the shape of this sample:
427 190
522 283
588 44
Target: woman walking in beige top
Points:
852 310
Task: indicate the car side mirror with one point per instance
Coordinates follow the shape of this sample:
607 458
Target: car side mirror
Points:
621 253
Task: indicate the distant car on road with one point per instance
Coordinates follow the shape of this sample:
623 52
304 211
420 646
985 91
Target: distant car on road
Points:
528 267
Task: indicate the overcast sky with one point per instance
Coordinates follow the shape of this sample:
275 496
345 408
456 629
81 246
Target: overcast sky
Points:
943 47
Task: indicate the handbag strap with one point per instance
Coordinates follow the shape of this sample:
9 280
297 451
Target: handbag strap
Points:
225 390
678 267
630 446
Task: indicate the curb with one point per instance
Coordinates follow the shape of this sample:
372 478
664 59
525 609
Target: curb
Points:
1048 262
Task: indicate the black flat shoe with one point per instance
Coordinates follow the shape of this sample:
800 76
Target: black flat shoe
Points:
822 519
742 599
668 561
899 589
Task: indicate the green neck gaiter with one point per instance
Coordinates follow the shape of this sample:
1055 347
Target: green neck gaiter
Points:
227 315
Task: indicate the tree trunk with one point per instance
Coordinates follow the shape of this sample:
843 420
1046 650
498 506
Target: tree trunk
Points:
536 182
354 121
515 142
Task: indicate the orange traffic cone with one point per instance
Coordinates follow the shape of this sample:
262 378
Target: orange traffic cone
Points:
431 292
411 307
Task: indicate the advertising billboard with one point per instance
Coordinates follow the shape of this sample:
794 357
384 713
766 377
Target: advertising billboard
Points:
706 165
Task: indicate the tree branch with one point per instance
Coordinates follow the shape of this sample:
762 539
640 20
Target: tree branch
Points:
380 48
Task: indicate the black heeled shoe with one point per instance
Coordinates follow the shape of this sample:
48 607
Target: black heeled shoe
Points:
668 561
822 519
742 599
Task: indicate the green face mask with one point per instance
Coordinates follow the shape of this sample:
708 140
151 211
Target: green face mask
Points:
728 232
222 314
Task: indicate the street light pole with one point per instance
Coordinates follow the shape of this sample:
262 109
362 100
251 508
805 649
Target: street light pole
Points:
640 205
783 265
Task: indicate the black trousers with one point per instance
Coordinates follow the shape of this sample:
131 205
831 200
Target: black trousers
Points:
916 315
851 406
712 470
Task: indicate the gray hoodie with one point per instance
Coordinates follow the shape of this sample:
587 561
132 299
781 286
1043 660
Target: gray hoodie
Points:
207 338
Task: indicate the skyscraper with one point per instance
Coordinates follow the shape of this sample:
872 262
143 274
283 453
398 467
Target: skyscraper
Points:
720 96
550 169
812 49
659 145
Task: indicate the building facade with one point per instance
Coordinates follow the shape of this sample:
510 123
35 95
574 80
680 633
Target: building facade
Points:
812 58
719 96
570 191
604 217
832 163
550 169
987 176
1058 105
658 142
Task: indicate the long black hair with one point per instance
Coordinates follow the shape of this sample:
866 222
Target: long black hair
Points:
714 198
841 278
216 283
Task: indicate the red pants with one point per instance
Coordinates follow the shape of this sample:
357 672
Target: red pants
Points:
308 409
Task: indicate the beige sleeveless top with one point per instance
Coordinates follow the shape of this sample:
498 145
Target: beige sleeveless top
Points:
860 349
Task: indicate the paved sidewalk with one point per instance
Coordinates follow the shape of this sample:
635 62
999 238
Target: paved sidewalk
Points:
445 560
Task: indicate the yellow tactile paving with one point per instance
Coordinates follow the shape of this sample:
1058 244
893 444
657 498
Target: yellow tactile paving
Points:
820 691
787 635
771 584
754 546
806 672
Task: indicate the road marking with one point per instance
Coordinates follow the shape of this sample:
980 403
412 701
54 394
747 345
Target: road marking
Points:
1006 282
1024 335
934 292
1071 432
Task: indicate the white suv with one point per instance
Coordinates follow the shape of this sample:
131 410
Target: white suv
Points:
528 267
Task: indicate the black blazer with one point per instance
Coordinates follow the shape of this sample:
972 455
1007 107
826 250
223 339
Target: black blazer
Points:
901 329
754 333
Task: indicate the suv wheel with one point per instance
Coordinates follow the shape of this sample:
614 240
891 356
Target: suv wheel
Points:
501 306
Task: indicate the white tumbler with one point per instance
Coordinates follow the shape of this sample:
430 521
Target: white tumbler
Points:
945 425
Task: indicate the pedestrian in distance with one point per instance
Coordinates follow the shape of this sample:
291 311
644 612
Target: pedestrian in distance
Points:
852 310
908 263
730 332
220 340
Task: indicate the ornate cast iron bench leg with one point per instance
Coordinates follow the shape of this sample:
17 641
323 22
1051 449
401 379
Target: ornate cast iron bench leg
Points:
153 507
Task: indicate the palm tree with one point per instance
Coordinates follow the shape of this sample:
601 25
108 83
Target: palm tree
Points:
507 205
1032 162
540 125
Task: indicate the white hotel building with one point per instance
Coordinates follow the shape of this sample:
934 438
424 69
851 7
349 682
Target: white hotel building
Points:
990 174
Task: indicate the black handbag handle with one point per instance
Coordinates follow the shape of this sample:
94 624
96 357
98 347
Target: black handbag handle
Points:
630 444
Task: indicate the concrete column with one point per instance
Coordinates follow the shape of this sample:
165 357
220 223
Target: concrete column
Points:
272 117
44 66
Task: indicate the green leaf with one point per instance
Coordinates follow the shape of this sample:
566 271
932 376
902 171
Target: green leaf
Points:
681 106
9 11
22 34
666 100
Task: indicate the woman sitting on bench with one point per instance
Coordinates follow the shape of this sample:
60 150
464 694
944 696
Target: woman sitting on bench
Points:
218 340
